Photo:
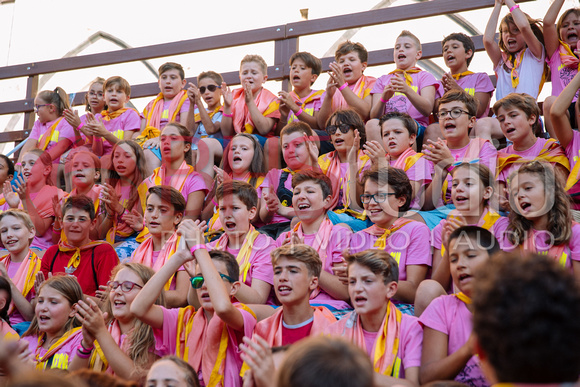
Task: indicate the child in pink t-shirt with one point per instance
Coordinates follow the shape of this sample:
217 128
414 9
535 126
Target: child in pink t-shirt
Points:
569 139
209 337
387 194
391 339
117 122
175 170
54 336
312 192
561 45
518 116
471 190
398 133
540 218
457 111
237 202
448 342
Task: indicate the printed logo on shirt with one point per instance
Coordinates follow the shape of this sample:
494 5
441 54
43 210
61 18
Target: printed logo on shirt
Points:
415 88
165 114
470 91
397 256
60 361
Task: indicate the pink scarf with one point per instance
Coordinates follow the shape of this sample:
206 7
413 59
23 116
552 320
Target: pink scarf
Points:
362 88
267 104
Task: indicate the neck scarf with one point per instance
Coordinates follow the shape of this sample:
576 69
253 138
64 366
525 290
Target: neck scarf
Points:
245 253
384 234
75 260
266 102
408 78
47 137
461 75
42 361
25 275
362 88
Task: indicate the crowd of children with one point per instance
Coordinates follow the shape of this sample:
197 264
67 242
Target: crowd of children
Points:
218 227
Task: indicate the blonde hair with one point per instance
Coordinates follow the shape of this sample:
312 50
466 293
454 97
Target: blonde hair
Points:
256 59
141 338
57 97
98 80
408 34
20 215
70 289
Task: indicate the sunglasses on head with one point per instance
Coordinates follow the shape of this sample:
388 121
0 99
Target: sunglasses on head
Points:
211 88
198 280
344 128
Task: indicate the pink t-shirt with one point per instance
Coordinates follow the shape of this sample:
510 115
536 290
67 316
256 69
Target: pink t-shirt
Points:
337 243
60 359
165 115
260 260
193 182
543 244
473 83
487 156
130 120
573 149
233 362
449 315
308 108
561 74
16 317
44 241
528 154
399 102
498 230
269 186
407 246
371 81
422 170
63 127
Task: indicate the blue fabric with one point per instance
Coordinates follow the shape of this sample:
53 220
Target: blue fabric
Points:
126 248
261 139
22 327
406 308
354 223
433 217
155 151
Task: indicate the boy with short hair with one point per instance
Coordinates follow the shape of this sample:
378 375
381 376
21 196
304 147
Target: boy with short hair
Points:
297 269
117 122
457 111
208 338
505 317
91 262
311 200
448 342
237 203
458 52
298 105
406 89
171 104
205 124
347 87
251 108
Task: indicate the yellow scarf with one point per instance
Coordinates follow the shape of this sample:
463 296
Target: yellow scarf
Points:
47 137
25 275
245 253
75 260
42 361
108 116
381 242
488 219
408 78
461 75
463 297
197 116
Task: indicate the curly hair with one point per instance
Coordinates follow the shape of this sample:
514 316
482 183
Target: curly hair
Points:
559 216
526 313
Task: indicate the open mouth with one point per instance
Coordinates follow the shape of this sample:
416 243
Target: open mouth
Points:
572 36
450 57
347 71
154 224
449 127
463 277
230 225
510 130
11 242
338 141
401 56
303 206
392 144
204 297
284 290
360 300
525 205
119 303
236 159
296 78
43 319
461 199
79 174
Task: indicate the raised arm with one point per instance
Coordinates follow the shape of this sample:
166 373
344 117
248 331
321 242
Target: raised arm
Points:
491 46
523 25
558 112
550 33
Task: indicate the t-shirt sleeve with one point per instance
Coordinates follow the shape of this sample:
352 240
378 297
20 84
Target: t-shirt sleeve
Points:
194 183
419 252
427 79
166 337
411 341
575 243
483 83
380 84
261 261
436 235
434 315
107 260
35 132
488 156
131 120
66 130
421 171
339 241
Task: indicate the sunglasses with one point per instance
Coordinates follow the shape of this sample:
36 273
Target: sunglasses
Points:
198 280
344 128
211 88
126 286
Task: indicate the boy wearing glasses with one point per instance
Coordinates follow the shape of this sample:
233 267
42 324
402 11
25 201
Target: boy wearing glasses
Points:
312 192
387 195
457 113
343 166
91 262
207 338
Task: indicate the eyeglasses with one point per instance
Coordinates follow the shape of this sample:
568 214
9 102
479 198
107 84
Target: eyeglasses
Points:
211 88
126 286
453 113
331 129
198 280
37 107
378 197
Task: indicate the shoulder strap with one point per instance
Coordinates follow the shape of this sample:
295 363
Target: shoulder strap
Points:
94 270
53 260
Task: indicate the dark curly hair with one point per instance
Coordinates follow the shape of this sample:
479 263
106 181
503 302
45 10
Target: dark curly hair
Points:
526 313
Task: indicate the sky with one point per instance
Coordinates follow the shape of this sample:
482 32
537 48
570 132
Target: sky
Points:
37 30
